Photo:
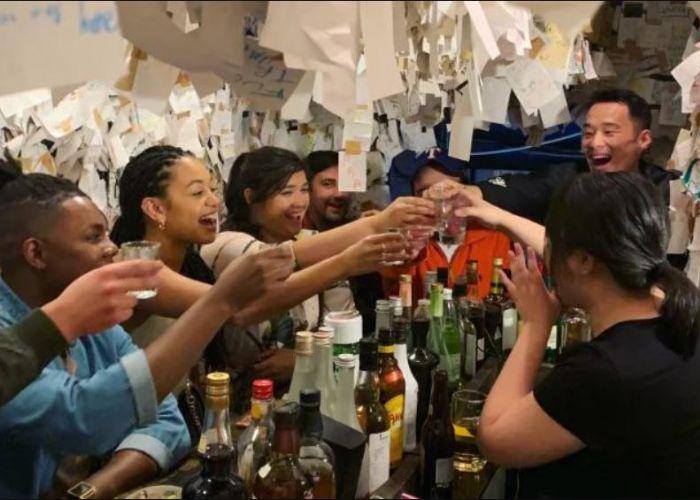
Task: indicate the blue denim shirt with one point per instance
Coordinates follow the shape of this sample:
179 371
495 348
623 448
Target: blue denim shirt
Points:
108 404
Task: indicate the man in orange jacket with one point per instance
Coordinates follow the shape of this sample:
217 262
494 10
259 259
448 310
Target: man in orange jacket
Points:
480 244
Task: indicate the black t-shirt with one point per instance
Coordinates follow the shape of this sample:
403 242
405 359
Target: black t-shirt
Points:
635 404
528 195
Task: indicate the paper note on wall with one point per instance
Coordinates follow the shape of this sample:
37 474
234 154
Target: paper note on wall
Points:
383 77
51 44
152 84
532 84
352 172
462 129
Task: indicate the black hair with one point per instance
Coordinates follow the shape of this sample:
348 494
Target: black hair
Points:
28 204
318 161
146 175
638 107
265 171
621 220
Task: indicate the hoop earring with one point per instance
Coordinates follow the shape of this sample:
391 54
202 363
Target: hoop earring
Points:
161 225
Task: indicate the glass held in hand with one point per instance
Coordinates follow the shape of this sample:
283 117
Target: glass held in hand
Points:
443 206
141 250
417 238
391 259
466 412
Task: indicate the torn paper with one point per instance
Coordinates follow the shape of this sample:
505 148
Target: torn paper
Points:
352 172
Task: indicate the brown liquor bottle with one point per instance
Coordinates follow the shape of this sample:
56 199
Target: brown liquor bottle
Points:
392 393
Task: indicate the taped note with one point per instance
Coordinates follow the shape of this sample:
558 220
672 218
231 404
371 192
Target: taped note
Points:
352 172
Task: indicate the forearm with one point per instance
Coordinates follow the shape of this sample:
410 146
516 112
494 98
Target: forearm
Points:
309 251
126 470
295 290
518 375
171 356
176 294
524 231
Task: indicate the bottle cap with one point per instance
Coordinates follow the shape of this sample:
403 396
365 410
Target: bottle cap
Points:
405 278
424 302
262 389
498 262
447 293
383 305
304 344
287 414
347 326
310 398
324 336
345 360
442 275
217 383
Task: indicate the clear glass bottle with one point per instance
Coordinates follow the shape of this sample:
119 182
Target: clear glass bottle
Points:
303 375
576 327
215 449
283 476
384 312
345 411
452 336
430 278
402 329
324 379
315 456
255 444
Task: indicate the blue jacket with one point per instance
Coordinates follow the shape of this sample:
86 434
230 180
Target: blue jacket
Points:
109 404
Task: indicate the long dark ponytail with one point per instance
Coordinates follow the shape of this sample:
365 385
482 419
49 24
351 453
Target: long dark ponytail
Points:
621 220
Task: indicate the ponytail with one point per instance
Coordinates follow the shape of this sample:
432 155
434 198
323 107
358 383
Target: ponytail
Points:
680 307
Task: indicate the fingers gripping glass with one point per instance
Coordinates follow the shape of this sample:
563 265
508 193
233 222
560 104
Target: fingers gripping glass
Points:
389 259
141 250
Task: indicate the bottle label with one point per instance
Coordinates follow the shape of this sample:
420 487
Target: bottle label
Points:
443 472
386 349
264 471
379 455
409 418
394 407
481 349
510 327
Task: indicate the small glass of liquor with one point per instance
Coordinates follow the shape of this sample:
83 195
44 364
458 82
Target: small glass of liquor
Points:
385 259
417 238
141 250
466 412
443 207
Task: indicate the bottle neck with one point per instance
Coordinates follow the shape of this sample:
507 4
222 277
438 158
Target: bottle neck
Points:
311 423
496 286
384 319
260 411
436 305
324 359
285 441
367 387
473 288
420 334
346 380
439 403
304 362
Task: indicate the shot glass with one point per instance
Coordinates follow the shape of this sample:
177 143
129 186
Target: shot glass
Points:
141 250
394 230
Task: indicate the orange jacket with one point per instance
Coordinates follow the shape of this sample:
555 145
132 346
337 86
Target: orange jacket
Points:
480 244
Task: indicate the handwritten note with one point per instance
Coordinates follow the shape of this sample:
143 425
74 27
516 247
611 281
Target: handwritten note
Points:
352 172
531 83
51 44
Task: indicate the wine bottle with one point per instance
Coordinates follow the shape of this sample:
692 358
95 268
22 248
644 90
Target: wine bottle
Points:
392 389
315 456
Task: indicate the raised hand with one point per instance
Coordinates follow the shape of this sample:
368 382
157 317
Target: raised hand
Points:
100 299
536 304
407 211
371 253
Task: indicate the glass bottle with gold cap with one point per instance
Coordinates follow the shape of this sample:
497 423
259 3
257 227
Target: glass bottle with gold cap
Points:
324 379
494 305
303 375
215 449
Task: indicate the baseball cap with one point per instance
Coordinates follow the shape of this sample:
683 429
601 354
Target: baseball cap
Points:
406 165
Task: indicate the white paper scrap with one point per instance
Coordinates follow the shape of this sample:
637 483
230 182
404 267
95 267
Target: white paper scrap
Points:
383 76
462 129
532 84
481 25
352 172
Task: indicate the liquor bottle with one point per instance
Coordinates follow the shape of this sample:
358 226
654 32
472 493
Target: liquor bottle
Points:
283 476
324 379
460 287
443 276
255 444
422 362
437 443
472 311
345 411
383 313
402 311
436 339
576 327
494 307
551 352
315 456
402 328
430 278
303 375
373 418
215 449
392 393
452 336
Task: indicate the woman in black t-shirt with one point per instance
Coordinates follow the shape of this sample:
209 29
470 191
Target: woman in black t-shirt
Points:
620 415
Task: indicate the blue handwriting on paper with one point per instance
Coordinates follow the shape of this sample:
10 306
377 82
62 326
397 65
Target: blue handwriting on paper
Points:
52 12
7 18
102 21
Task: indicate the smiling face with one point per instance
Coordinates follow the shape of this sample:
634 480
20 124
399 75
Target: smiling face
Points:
280 216
328 205
190 206
612 141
